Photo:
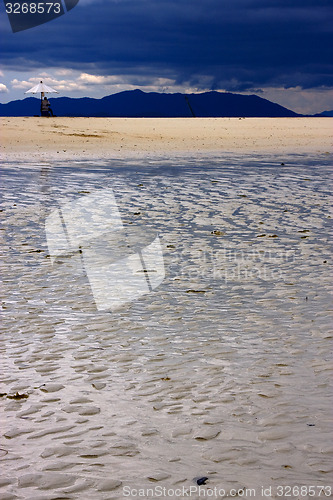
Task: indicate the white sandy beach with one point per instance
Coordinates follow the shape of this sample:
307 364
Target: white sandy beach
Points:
223 371
104 137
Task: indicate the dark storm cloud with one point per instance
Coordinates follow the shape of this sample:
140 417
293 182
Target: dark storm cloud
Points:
237 45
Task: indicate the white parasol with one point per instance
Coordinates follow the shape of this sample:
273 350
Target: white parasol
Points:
42 88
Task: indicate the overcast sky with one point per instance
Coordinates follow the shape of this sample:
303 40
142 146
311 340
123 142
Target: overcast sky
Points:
277 49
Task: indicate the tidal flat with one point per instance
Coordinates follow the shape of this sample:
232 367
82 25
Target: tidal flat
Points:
223 370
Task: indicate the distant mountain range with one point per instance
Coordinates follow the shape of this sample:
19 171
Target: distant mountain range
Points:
135 103
325 113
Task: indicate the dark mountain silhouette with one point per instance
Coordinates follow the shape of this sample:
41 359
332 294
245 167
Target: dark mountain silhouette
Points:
325 113
135 103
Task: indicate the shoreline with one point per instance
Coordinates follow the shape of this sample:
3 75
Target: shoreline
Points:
60 137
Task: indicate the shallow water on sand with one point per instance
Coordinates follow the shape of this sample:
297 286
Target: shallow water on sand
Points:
222 371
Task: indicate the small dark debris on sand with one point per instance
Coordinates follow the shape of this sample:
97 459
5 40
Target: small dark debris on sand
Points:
201 480
17 396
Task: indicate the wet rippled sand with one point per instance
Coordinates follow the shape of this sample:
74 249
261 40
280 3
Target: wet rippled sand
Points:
222 371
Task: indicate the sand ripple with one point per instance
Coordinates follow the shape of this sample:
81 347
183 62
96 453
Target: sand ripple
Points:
223 371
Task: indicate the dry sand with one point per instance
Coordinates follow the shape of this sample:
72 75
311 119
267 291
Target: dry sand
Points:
103 137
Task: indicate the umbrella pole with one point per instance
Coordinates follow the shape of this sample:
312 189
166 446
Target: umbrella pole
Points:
41 100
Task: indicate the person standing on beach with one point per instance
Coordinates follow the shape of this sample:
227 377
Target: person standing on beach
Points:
46 107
